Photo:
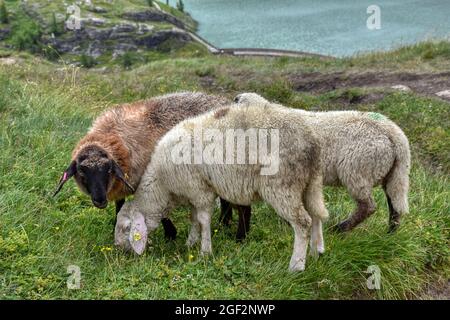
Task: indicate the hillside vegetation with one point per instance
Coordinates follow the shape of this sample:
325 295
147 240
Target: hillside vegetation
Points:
47 106
110 32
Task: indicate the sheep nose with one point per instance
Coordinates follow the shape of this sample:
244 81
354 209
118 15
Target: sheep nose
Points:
100 204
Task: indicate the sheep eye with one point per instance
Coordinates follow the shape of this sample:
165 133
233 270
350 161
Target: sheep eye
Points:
126 228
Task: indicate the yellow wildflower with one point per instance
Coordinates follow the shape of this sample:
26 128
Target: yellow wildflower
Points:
137 236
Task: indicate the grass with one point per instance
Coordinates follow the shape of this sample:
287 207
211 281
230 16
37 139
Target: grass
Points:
46 108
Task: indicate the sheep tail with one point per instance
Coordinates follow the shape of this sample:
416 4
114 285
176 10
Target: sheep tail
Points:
397 181
314 201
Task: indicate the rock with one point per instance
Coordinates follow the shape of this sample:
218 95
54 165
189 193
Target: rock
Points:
144 28
95 49
96 21
121 48
122 31
154 15
99 10
98 34
4 33
401 87
153 40
8 61
444 94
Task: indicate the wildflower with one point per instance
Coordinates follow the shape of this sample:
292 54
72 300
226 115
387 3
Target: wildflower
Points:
137 236
106 249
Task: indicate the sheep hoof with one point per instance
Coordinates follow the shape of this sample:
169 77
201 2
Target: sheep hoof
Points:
393 227
342 227
205 253
297 265
316 253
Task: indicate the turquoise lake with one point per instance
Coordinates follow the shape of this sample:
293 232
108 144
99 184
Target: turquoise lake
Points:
336 28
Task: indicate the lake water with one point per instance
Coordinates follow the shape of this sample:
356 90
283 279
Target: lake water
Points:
331 27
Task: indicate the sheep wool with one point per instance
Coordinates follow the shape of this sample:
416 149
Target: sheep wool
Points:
294 190
360 150
129 132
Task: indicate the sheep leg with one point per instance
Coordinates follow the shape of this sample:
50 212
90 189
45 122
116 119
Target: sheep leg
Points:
298 258
170 232
226 212
194 234
317 243
394 216
204 218
363 210
119 204
244 222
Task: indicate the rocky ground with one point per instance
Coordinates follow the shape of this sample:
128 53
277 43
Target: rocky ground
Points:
105 32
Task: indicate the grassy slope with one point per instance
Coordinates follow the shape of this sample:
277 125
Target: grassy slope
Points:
45 109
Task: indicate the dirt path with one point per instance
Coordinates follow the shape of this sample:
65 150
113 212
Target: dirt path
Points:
426 83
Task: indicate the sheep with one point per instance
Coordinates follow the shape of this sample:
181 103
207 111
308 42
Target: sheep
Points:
108 162
289 178
360 150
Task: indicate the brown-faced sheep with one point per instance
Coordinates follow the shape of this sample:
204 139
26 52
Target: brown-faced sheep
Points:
108 162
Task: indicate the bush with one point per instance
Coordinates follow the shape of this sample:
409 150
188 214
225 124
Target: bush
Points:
26 35
128 59
54 27
150 3
87 61
3 13
50 52
180 5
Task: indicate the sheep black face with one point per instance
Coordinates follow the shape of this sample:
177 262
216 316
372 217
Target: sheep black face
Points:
95 174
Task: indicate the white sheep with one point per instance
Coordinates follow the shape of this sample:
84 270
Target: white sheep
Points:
360 150
288 178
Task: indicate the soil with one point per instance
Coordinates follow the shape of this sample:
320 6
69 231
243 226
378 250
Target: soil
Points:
425 83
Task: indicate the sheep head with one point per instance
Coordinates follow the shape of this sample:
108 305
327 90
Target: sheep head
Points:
95 172
249 97
131 230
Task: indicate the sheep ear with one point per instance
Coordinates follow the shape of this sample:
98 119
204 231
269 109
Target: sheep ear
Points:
119 174
138 234
69 173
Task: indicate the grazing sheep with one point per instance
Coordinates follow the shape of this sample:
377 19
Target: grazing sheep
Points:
360 150
291 182
108 162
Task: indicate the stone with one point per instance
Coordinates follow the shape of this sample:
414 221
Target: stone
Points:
401 87
444 94
8 61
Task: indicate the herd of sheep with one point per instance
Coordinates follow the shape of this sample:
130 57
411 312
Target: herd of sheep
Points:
130 150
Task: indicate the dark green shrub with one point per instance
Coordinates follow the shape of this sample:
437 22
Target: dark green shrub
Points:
180 5
54 27
150 3
87 61
127 60
26 35
4 17
50 53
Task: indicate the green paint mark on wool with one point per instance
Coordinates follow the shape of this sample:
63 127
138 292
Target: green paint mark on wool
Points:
376 116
